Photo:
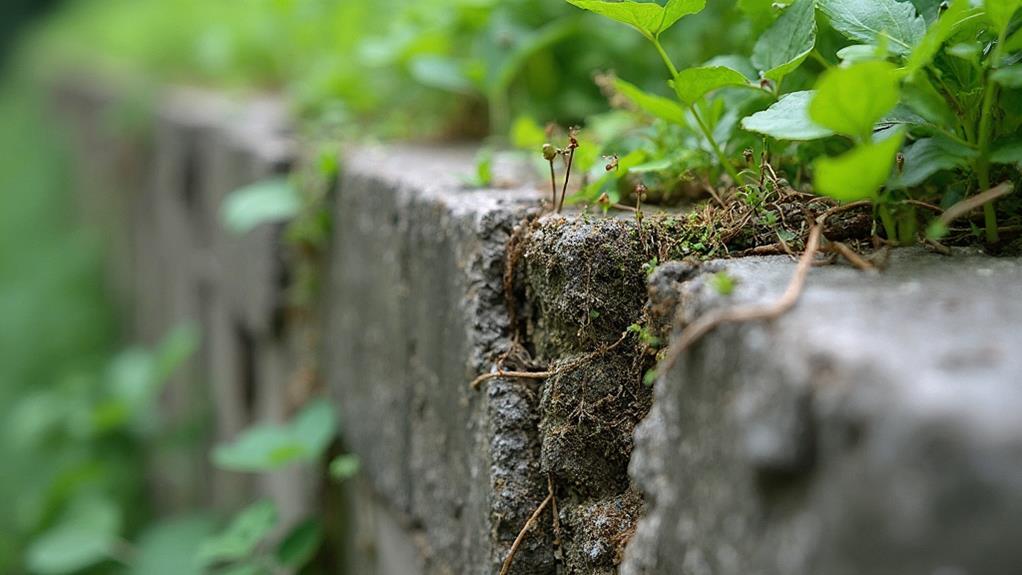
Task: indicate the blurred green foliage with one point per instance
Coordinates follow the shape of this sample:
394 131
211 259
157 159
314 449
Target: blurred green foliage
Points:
403 67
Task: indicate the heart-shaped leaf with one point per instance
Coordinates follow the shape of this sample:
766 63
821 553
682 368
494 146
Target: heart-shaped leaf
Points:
649 18
656 106
692 84
851 100
787 119
867 20
788 42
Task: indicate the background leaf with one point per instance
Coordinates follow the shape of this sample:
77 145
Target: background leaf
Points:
267 201
787 119
240 539
299 546
170 547
692 84
1001 11
928 156
656 106
788 42
86 535
344 467
866 20
1007 153
271 447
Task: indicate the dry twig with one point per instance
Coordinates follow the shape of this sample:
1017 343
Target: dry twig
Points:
506 567
713 319
546 374
853 257
979 200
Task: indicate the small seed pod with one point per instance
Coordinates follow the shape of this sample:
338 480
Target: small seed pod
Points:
612 162
549 152
640 191
573 137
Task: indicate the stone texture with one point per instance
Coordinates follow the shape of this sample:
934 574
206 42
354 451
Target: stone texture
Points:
873 429
416 310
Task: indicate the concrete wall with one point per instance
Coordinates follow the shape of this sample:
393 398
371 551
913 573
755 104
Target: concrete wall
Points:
873 429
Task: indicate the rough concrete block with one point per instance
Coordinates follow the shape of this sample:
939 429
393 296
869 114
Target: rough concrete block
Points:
872 429
416 310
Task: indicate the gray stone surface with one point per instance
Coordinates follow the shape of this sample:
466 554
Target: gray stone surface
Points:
156 192
416 310
873 429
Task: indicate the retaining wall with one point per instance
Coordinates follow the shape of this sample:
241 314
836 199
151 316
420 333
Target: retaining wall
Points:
871 430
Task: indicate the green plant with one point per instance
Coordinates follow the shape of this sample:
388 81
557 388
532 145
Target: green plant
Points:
918 90
249 545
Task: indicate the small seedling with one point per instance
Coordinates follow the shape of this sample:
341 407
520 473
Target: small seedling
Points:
723 283
550 153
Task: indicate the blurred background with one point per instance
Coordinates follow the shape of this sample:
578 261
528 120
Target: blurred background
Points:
80 393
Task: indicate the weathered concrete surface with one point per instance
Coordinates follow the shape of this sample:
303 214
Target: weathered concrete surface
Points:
873 429
157 191
416 311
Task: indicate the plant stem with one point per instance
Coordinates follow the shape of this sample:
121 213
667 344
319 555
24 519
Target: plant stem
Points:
663 54
553 187
567 176
985 129
890 226
724 163
815 55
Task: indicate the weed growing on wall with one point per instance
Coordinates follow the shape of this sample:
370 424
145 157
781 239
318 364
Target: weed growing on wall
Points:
900 102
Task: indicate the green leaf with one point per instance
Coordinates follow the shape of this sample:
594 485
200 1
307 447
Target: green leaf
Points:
86 535
271 447
787 119
170 547
928 9
928 156
867 20
647 17
527 134
1007 153
240 539
692 84
656 106
1010 77
264 202
761 13
1014 44
344 467
1000 12
859 174
675 10
442 73
851 100
857 53
788 42
938 33
919 96
299 546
